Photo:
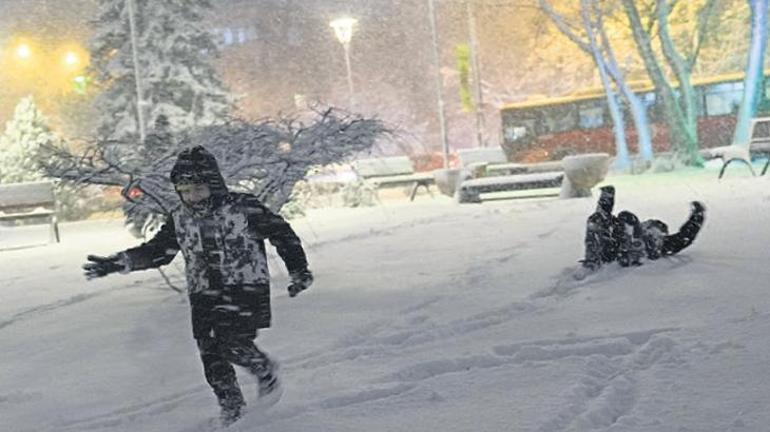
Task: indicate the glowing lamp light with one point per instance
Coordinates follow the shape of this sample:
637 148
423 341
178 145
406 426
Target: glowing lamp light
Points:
343 28
23 51
71 59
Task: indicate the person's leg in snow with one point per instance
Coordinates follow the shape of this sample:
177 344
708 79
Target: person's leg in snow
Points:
674 243
221 377
628 237
243 352
600 244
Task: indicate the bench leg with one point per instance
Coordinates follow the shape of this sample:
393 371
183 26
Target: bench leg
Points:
54 230
416 186
414 191
764 170
724 167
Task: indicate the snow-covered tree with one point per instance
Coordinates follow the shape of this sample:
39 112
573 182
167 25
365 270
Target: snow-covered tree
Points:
19 144
170 49
266 158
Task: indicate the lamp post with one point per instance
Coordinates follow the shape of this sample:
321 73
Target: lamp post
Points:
439 83
343 29
134 52
479 105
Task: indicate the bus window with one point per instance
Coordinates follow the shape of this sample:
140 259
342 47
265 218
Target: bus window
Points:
519 125
724 98
514 133
559 118
591 115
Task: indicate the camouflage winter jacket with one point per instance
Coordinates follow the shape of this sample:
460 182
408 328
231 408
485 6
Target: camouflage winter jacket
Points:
224 252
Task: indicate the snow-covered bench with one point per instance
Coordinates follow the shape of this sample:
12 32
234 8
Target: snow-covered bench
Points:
470 190
574 175
393 171
21 201
759 145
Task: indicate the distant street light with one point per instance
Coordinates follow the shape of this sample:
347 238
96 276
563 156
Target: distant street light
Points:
23 51
343 29
70 58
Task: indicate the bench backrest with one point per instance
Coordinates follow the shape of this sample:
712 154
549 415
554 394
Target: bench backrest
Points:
382 167
760 130
14 195
481 154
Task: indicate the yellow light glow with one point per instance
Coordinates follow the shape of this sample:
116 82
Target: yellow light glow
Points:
23 51
343 28
71 59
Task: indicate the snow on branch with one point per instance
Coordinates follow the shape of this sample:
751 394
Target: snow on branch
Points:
265 158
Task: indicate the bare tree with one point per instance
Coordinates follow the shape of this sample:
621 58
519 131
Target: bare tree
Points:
597 49
681 109
265 158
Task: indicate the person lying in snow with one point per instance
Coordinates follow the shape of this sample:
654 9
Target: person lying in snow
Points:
221 236
624 239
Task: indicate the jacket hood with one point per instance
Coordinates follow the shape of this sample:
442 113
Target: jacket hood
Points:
197 165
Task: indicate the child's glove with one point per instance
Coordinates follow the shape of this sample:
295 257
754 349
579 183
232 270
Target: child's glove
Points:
300 281
100 266
697 207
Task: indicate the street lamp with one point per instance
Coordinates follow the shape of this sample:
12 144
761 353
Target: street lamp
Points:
343 29
70 58
479 105
23 51
140 103
439 82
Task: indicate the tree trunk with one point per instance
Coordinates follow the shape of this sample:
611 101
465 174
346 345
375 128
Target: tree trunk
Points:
622 161
591 48
638 110
754 80
683 141
679 65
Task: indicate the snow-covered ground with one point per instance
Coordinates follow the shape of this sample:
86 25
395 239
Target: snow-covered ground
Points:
425 316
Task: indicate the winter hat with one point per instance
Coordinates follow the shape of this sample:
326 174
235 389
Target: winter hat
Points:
197 165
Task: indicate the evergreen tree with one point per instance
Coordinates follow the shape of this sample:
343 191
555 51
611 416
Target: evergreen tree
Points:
172 53
19 144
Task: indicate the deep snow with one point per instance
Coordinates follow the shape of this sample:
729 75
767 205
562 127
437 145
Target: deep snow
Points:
425 316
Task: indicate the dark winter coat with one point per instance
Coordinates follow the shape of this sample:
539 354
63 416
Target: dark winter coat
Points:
224 251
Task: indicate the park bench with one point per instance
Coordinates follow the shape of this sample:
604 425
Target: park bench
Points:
574 176
759 145
490 171
470 190
23 201
393 171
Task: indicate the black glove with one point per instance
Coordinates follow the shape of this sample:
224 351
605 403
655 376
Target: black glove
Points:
102 266
300 281
697 207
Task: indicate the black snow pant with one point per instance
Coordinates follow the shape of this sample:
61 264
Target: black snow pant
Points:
226 338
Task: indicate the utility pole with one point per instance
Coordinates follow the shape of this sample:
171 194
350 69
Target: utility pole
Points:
439 83
137 79
479 105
